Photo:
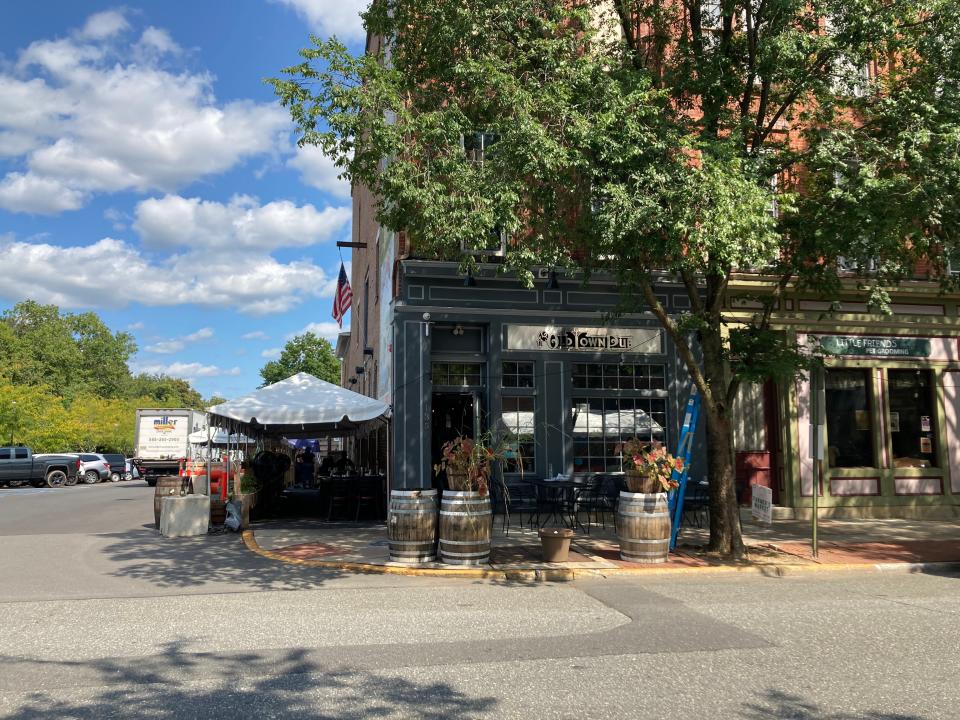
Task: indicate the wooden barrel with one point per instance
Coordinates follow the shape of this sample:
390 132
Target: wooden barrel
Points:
412 526
167 486
643 527
218 510
465 524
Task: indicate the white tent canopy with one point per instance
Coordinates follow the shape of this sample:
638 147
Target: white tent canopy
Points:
302 406
218 436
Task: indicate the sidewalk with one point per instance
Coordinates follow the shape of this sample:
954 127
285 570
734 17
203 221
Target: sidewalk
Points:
515 553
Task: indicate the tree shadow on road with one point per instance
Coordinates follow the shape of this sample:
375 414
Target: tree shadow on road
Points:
778 705
287 684
205 561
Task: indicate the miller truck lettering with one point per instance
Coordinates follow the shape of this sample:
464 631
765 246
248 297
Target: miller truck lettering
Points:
165 424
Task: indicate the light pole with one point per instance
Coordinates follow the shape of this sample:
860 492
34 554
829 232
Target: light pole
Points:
13 415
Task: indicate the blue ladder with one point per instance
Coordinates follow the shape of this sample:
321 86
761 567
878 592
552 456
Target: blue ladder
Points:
684 450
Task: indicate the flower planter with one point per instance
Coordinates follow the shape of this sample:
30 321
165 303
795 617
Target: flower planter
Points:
466 521
643 527
556 544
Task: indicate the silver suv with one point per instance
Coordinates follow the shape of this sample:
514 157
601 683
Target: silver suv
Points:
93 468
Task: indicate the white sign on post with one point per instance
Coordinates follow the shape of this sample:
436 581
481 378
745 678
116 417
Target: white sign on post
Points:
762 506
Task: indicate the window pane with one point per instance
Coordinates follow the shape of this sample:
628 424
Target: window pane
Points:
20 454
912 431
849 424
518 417
599 425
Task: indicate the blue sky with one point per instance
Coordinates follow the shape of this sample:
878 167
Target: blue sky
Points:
147 173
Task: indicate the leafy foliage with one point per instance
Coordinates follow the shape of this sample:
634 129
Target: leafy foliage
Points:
65 383
303 353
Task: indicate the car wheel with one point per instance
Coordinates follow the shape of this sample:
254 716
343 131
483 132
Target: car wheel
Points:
128 476
90 477
56 478
71 480
114 477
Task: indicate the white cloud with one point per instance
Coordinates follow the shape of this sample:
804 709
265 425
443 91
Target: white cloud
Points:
328 330
255 335
36 194
256 284
168 347
173 221
187 371
86 115
102 25
158 40
135 326
201 334
271 353
165 347
319 171
332 17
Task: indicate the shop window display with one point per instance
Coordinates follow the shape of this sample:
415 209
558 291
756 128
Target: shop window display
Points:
849 424
912 430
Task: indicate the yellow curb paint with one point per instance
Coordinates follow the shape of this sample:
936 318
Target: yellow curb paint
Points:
563 574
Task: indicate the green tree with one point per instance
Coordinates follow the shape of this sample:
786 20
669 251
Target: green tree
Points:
643 138
68 352
165 391
304 353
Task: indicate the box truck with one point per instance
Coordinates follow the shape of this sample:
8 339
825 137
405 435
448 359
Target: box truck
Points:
161 439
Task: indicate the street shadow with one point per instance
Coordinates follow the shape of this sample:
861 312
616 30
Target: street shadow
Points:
206 561
286 684
778 705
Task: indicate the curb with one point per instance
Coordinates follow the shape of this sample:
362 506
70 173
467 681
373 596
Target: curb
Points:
569 574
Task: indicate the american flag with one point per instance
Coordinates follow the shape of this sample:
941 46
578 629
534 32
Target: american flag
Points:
342 298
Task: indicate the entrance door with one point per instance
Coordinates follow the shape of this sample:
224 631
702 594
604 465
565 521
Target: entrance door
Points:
454 414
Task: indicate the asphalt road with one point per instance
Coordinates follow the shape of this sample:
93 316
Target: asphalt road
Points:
100 618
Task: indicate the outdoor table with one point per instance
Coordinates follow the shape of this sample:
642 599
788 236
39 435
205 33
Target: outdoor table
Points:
557 498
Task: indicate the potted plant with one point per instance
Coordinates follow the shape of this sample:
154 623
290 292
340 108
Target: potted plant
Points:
648 466
643 518
466 517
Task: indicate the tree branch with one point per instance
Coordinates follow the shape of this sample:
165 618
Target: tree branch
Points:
680 341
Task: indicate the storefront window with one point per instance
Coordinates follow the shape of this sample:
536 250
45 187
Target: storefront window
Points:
517 375
521 446
457 374
618 376
600 424
849 426
912 432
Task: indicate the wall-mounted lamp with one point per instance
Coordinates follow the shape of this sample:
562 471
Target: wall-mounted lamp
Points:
368 351
458 330
468 281
352 381
552 283
359 370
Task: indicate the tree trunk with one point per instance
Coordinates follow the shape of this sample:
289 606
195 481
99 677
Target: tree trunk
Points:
725 536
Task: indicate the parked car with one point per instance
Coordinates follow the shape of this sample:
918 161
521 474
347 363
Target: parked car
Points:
20 465
118 466
94 468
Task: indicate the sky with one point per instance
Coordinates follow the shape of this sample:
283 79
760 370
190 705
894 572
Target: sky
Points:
148 173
